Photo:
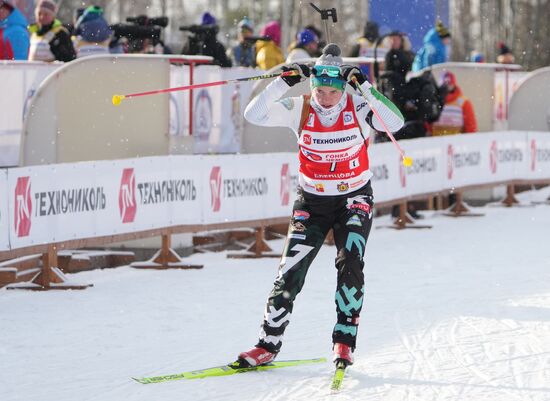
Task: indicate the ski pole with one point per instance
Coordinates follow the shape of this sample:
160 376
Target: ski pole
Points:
407 161
117 99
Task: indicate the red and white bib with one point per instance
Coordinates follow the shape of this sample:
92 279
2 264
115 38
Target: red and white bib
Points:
333 160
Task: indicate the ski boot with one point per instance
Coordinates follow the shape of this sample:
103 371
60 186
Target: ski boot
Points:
255 357
343 354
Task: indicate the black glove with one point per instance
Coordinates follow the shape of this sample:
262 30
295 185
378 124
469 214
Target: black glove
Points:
303 73
349 71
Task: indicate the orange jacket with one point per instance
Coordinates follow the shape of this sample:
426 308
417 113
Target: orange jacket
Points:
457 116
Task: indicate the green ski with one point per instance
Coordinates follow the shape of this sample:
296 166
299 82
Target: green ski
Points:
338 377
225 370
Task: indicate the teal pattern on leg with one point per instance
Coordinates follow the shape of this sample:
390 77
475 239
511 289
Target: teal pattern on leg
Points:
353 304
358 240
346 329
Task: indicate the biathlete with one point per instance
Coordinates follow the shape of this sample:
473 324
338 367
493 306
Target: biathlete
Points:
334 192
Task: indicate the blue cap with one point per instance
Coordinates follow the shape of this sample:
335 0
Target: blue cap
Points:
306 36
208 19
245 23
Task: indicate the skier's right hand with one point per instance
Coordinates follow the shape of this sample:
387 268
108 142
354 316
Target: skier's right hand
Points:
303 72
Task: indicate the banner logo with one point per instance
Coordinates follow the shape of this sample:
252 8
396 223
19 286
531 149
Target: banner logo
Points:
285 185
127 204
202 115
23 206
493 157
215 188
450 157
307 139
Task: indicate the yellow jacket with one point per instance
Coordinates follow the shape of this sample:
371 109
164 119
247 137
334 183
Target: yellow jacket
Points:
268 55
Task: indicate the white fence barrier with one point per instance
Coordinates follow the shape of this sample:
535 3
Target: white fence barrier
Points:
56 203
19 83
4 223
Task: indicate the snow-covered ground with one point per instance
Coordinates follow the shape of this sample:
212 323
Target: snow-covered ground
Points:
458 312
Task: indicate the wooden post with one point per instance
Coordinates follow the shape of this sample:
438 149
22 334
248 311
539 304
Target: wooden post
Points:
49 274
404 221
459 208
510 199
258 249
165 257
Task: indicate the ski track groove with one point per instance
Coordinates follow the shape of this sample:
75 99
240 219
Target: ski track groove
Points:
457 351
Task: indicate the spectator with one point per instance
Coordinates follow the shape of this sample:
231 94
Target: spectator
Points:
268 52
365 44
436 48
458 114
393 84
15 37
50 40
205 42
321 43
397 40
244 53
477 57
505 55
412 98
306 46
92 33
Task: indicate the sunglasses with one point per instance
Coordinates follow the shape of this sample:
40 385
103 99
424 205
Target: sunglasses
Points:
331 71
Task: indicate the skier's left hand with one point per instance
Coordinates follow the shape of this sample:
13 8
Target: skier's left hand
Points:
350 71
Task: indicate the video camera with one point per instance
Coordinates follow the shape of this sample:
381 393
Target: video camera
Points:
139 29
254 39
201 30
143 20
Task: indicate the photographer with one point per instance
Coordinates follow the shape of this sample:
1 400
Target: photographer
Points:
142 35
244 53
203 42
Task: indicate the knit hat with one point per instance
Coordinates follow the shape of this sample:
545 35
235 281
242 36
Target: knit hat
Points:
48 6
208 19
273 31
370 32
326 71
306 36
503 49
442 30
448 78
245 23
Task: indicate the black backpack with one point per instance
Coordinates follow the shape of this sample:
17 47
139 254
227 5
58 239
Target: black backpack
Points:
426 96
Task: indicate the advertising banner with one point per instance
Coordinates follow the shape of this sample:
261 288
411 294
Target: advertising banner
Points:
4 216
426 173
248 187
20 80
55 203
507 156
466 160
506 83
538 149
218 111
152 192
386 167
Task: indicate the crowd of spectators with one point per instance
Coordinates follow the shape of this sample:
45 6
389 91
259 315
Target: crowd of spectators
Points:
48 39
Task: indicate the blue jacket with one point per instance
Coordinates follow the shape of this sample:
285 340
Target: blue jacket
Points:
15 32
432 51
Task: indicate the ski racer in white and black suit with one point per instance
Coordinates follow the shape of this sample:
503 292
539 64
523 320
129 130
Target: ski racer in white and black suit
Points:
334 191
